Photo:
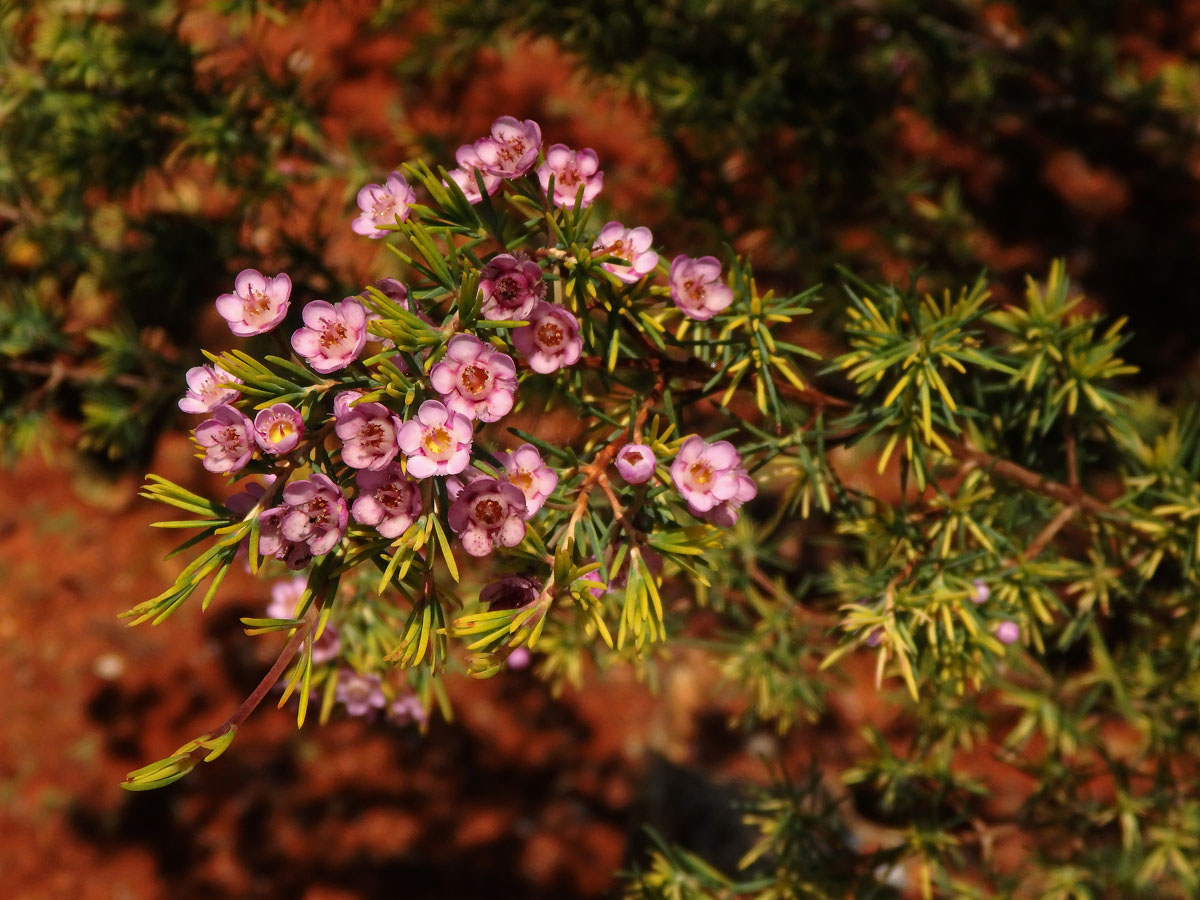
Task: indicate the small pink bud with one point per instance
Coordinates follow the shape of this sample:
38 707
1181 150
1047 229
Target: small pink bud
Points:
1008 632
979 591
636 463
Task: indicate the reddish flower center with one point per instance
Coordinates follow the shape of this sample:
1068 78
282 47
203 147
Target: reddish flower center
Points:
489 512
231 438
257 304
694 289
371 434
568 177
475 380
633 457
317 509
507 290
621 250
549 334
333 333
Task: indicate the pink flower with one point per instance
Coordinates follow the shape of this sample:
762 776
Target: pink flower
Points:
359 693
257 303
464 176
382 205
510 592
278 428
571 169
368 434
712 480
629 244
697 288
406 710
475 379
388 500
333 336
310 522
551 339
326 647
636 463
285 597
510 288
341 403
528 471
245 500
227 439
511 149
1008 632
205 392
979 591
436 442
488 513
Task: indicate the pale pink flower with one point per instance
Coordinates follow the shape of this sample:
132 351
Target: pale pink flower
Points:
334 334
488 513
528 471
205 391
285 597
629 244
278 428
368 434
697 288
475 379
310 522
510 592
1008 632
407 710
571 168
360 694
326 647
464 176
257 303
388 500
382 205
436 442
246 499
551 339
511 149
711 479
510 288
227 439
979 591
636 463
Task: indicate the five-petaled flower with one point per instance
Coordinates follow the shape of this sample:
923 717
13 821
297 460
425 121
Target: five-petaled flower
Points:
511 149
697 288
464 176
382 205
227 439
551 339
278 428
368 434
257 304
510 288
436 442
571 170
629 244
333 335
712 480
527 470
388 500
488 513
206 390
475 379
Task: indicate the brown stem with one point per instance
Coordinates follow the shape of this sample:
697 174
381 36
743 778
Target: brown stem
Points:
268 681
1046 535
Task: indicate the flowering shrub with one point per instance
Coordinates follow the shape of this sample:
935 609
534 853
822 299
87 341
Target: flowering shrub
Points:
549 400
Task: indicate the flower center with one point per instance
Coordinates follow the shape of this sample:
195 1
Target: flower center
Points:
333 333
231 437
507 290
633 457
280 430
371 434
522 479
489 512
694 289
621 250
256 305
475 380
568 177
317 509
549 334
701 473
437 440
384 208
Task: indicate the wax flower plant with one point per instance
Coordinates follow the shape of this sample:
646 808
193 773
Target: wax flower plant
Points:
380 455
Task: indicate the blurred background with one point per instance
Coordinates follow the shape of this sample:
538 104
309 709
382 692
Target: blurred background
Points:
150 150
